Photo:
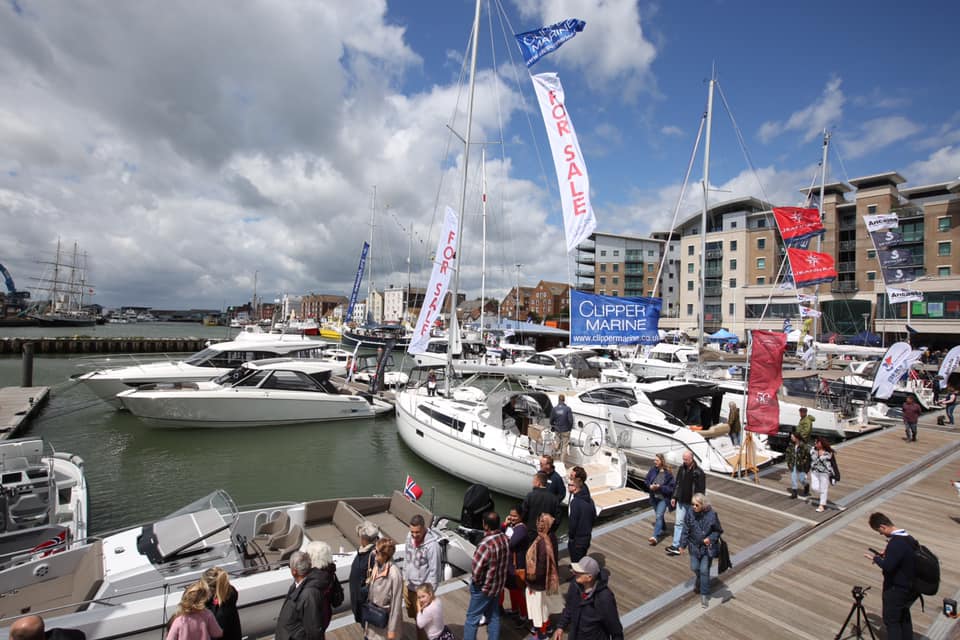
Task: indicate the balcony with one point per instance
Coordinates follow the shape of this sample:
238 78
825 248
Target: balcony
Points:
631 270
844 286
588 246
714 254
713 290
904 213
848 245
582 259
714 273
588 288
846 267
585 273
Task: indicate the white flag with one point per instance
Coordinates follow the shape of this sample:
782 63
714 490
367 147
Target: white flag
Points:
881 221
806 297
807 312
949 363
444 264
895 295
578 219
895 364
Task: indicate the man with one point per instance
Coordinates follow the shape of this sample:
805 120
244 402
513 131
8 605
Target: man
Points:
590 608
898 567
32 628
299 617
911 415
555 483
489 575
690 480
583 513
514 411
538 501
579 473
421 565
561 423
805 431
368 533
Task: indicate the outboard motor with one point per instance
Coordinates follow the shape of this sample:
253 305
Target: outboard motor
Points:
476 502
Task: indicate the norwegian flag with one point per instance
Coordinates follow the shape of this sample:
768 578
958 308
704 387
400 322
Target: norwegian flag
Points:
51 545
412 490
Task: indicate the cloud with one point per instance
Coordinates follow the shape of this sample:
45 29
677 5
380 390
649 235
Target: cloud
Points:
878 133
942 165
671 130
812 119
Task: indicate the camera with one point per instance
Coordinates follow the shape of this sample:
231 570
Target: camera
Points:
858 592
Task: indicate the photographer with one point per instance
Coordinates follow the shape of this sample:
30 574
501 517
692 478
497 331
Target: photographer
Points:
897 563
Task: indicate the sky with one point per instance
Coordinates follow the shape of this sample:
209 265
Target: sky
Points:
190 149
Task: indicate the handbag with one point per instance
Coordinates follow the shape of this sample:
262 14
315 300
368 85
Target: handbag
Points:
521 578
375 615
723 557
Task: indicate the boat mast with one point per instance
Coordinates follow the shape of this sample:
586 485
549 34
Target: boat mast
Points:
703 218
56 280
474 37
823 181
406 305
373 211
483 253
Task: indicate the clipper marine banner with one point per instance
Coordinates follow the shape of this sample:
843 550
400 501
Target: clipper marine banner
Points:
356 281
797 224
444 264
538 43
578 219
596 319
894 366
766 364
810 267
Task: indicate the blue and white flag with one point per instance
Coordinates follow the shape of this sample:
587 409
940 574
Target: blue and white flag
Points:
787 326
357 280
596 319
538 43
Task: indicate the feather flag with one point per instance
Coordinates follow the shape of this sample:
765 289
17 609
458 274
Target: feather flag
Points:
894 366
797 224
412 490
766 376
539 42
811 267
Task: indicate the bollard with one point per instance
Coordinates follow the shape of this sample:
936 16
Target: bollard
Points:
27 377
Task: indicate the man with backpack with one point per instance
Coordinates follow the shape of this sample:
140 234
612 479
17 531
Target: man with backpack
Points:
898 562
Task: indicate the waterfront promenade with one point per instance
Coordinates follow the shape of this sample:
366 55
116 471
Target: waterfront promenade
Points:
793 568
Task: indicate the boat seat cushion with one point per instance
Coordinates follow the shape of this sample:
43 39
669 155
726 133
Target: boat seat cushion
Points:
346 520
721 429
282 541
280 523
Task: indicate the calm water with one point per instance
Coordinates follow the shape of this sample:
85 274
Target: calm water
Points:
136 473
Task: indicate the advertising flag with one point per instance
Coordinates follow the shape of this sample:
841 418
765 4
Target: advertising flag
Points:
895 257
539 42
895 295
893 367
898 275
766 364
597 319
881 221
886 239
444 263
948 366
807 298
356 281
810 267
807 312
578 219
796 223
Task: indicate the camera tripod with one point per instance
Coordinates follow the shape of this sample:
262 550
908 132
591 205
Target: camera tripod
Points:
857 607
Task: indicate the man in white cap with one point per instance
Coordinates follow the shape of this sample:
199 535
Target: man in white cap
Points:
590 608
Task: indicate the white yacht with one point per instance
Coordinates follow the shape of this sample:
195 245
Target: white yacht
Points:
217 359
128 584
277 391
472 350
663 360
470 435
569 368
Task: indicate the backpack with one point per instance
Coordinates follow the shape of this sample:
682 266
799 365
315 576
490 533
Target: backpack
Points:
335 592
926 576
834 469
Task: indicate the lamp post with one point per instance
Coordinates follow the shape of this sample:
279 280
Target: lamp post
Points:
866 323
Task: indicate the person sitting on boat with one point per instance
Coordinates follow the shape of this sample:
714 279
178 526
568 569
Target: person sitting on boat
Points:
514 411
32 628
693 412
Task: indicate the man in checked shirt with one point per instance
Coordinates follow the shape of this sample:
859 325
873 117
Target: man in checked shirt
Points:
489 577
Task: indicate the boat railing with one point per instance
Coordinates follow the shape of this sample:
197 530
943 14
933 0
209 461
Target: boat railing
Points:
94 363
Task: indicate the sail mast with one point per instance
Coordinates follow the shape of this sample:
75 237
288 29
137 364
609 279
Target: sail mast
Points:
703 217
373 212
823 181
483 253
454 294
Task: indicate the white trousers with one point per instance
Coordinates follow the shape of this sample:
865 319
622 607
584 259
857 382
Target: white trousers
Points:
820 482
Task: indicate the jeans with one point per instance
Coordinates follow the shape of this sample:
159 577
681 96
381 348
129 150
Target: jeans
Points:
950 409
896 614
482 605
660 507
911 428
700 565
678 525
797 479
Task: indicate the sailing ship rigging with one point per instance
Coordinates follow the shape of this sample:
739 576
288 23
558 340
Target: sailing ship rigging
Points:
61 302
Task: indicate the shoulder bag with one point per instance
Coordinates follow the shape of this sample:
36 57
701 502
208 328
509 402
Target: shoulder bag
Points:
372 614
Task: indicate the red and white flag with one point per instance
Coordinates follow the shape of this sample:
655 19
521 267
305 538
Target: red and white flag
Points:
412 490
797 224
811 267
766 364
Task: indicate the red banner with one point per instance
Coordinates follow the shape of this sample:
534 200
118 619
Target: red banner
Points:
797 224
810 267
766 365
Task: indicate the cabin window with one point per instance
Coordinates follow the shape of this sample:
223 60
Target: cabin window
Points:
254 380
289 381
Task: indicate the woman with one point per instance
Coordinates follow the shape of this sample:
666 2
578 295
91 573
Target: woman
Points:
660 483
223 602
386 592
797 457
701 533
950 404
542 575
321 558
193 621
820 468
733 420
516 533
362 562
430 614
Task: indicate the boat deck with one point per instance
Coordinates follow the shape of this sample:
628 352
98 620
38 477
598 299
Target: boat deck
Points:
794 568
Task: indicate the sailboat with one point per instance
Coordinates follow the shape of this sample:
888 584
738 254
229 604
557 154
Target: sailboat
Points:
64 291
493 435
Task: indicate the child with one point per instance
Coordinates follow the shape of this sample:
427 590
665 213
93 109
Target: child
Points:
430 614
193 621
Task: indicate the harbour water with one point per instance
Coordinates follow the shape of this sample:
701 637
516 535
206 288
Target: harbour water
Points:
136 473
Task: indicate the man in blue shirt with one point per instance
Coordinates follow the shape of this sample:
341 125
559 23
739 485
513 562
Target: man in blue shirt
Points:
897 563
561 422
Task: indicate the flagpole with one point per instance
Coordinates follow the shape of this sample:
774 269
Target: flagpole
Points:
703 220
823 180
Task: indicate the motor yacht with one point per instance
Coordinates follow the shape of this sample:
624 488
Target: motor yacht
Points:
663 360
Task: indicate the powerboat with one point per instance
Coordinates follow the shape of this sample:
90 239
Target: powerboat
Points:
568 368
43 502
127 584
858 380
645 419
663 360
275 391
468 432
472 350
378 336
216 360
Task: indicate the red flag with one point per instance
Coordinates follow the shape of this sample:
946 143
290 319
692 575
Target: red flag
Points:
766 364
412 490
797 224
810 267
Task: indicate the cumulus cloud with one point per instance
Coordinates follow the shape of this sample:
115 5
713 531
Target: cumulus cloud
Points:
812 119
943 164
878 133
671 130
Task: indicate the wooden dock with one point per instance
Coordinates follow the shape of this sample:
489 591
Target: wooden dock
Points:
18 405
794 568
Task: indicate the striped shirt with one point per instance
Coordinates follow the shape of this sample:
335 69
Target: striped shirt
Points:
490 563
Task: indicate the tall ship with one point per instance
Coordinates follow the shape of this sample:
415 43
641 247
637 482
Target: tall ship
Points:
61 289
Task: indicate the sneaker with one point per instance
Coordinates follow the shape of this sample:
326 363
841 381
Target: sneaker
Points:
652 541
820 509
673 551
483 621
704 601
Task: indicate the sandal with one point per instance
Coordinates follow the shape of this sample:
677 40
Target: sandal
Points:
652 541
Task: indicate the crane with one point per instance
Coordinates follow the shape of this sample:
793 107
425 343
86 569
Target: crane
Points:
21 296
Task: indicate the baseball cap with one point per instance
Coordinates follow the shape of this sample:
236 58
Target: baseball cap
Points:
586 565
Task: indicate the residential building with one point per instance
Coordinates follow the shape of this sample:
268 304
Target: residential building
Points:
516 306
550 300
397 307
318 306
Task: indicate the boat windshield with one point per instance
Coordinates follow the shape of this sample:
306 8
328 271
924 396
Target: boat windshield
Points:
234 376
202 524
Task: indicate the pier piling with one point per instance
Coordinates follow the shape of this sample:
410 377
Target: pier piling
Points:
26 379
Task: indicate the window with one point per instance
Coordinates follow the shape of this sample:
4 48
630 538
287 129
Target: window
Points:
614 293
616 268
689 285
761 280
761 263
690 250
943 224
871 208
943 248
649 282
603 266
649 253
871 275
670 289
603 253
733 245
689 267
871 254
732 308
689 309
733 283
733 263
651 267
616 252
943 271
616 280
761 243
733 224
762 223
603 280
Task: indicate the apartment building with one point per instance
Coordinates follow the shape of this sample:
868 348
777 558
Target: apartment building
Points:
517 305
319 305
402 304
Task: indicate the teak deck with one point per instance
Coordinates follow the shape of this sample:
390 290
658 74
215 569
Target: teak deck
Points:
793 568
